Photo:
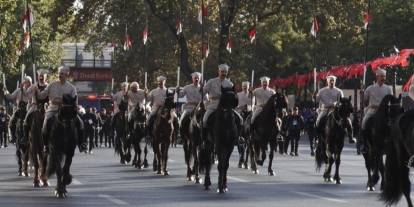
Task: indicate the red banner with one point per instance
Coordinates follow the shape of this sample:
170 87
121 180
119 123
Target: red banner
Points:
91 74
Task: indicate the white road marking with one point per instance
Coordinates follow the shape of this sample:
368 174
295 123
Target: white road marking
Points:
237 179
112 199
320 197
76 182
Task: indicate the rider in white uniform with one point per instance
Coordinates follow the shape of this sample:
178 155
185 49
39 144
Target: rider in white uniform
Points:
327 97
136 97
245 98
192 93
261 95
374 94
118 96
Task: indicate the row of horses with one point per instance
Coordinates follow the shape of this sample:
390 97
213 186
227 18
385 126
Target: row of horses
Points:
389 132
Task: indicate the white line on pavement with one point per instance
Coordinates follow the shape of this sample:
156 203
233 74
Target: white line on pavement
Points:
76 182
237 179
320 197
112 199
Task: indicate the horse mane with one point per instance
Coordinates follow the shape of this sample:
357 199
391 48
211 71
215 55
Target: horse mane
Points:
384 103
228 98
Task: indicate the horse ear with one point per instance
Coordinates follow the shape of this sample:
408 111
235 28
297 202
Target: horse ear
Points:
399 96
350 98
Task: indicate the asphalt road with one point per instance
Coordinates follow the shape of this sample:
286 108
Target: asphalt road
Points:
100 180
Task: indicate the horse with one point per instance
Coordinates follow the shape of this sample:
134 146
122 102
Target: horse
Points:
120 124
38 155
190 130
376 135
222 135
244 139
330 144
63 138
22 145
137 133
399 160
162 133
264 131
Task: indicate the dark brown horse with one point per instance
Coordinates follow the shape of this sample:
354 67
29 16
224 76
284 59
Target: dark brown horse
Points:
122 141
329 146
137 133
22 145
376 134
62 141
399 159
162 132
223 132
191 135
37 145
264 130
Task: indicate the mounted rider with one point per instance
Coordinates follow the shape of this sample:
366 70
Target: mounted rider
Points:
41 85
373 96
156 98
193 95
327 97
213 89
245 98
136 98
54 92
119 96
21 94
261 95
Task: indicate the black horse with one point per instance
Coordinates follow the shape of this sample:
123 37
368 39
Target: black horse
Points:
244 140
137 133
190 130
38 154
22 145
162 133
63 138
400 157
264 131
330 144
376 133
222 135
122 142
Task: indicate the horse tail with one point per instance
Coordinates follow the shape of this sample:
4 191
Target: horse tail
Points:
392 191
320 154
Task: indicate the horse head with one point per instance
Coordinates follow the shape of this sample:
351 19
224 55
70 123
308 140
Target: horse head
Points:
68 109
391 108
169 99
139 113
228 98
344 107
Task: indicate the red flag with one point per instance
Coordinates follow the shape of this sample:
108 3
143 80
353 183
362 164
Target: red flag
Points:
229 45
367 19
26 40
315 27
252 34
206 50
407 85
145 35
203 12
127 42
27 17
179 27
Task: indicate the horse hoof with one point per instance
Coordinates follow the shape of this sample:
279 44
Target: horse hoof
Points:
197 181
206 188
240 165
45 183
166 173
36 184
146 164
246 167
158 172
26 174
60 194
328 180
220 191
19 174
271 173
256 172
338 181
370 188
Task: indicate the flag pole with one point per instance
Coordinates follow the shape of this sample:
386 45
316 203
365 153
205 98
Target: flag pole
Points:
31 40
365 61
